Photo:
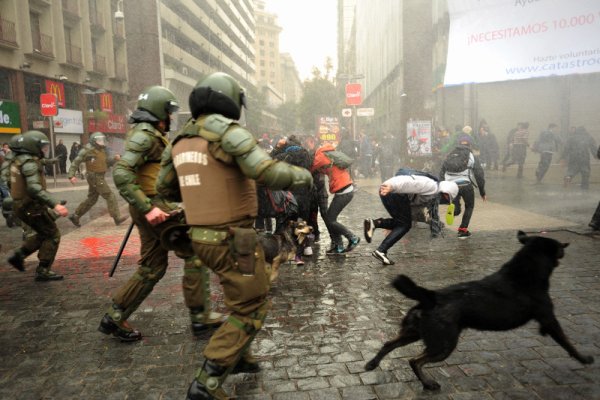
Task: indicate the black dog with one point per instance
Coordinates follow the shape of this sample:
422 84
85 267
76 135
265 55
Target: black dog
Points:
505 300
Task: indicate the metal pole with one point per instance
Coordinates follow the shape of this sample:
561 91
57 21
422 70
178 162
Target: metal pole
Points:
51 128
353 122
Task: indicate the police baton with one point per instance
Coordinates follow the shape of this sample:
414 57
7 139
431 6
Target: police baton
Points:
120 253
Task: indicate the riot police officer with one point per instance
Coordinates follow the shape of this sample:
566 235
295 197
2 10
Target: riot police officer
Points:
97 161
212 166
135 176
31 204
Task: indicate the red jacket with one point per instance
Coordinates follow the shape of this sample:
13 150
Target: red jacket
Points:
338 178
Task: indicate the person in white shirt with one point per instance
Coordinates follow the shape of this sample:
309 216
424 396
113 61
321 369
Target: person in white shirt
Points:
398 195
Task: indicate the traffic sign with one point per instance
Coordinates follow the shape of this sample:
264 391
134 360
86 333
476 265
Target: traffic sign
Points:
346 112
365 112
353 94
48 105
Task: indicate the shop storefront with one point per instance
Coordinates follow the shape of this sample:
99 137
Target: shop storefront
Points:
10 122
68 127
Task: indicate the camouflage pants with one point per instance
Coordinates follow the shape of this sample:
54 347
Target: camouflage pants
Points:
153 264
245 295
98 187
47 236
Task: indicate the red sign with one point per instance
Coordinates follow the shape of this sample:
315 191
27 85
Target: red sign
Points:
353 94
57 89
48 105
114 123
106 102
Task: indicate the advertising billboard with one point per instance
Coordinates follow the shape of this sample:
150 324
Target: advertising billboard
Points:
500 40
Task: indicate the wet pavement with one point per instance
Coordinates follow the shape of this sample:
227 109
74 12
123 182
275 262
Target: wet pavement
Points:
329 316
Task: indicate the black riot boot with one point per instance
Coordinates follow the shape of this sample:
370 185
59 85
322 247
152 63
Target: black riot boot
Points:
201 323
111 324
595 222
247 365
43 273
17 260
207 384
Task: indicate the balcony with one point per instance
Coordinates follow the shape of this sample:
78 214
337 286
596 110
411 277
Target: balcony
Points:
71 10
97 22
99 65
74 55
42 46
8 34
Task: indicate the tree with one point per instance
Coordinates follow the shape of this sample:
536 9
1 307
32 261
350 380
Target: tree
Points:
287 114
321 98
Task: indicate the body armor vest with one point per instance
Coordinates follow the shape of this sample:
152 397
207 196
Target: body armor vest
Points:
95 160
147 174
18 184
214 193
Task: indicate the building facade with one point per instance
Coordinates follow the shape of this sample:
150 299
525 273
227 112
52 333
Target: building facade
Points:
291 85
178 42
387 48
74 49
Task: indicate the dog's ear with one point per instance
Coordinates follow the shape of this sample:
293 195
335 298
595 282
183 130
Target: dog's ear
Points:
564 245
523 238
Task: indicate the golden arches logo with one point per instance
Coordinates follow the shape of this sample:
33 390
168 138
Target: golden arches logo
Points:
56 89
106 102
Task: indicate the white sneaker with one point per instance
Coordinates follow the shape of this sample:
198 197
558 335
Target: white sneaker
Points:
369 228
308 251
381 256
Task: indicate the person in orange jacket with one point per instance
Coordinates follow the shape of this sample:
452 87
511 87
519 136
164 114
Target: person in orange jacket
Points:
341 186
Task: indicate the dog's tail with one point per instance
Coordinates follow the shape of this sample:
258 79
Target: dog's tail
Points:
410 289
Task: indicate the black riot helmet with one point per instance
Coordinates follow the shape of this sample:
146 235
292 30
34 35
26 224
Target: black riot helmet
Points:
217 93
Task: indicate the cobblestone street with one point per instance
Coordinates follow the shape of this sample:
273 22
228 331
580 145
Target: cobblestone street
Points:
329 317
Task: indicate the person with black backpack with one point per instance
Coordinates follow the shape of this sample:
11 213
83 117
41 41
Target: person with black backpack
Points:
399 195
461 166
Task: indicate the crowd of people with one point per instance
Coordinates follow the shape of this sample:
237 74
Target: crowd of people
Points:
292 179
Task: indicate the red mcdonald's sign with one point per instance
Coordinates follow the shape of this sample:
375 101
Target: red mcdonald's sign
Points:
353 94
106 102
57 89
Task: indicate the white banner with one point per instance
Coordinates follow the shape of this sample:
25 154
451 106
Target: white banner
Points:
68 121
499 40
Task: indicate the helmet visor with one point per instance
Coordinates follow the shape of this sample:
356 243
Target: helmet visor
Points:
171 107
99 140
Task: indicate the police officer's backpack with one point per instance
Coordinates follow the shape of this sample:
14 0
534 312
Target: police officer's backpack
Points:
339 159
458 159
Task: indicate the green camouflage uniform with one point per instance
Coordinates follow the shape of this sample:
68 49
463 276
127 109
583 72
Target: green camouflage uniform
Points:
233 152
97 163
31 203
135 176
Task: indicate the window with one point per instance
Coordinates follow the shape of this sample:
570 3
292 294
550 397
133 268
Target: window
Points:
262 63
33 89
271 44
5 87
71 96
36 33
261 42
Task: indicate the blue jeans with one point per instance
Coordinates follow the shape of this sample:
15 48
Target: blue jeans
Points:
398 206
337 230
